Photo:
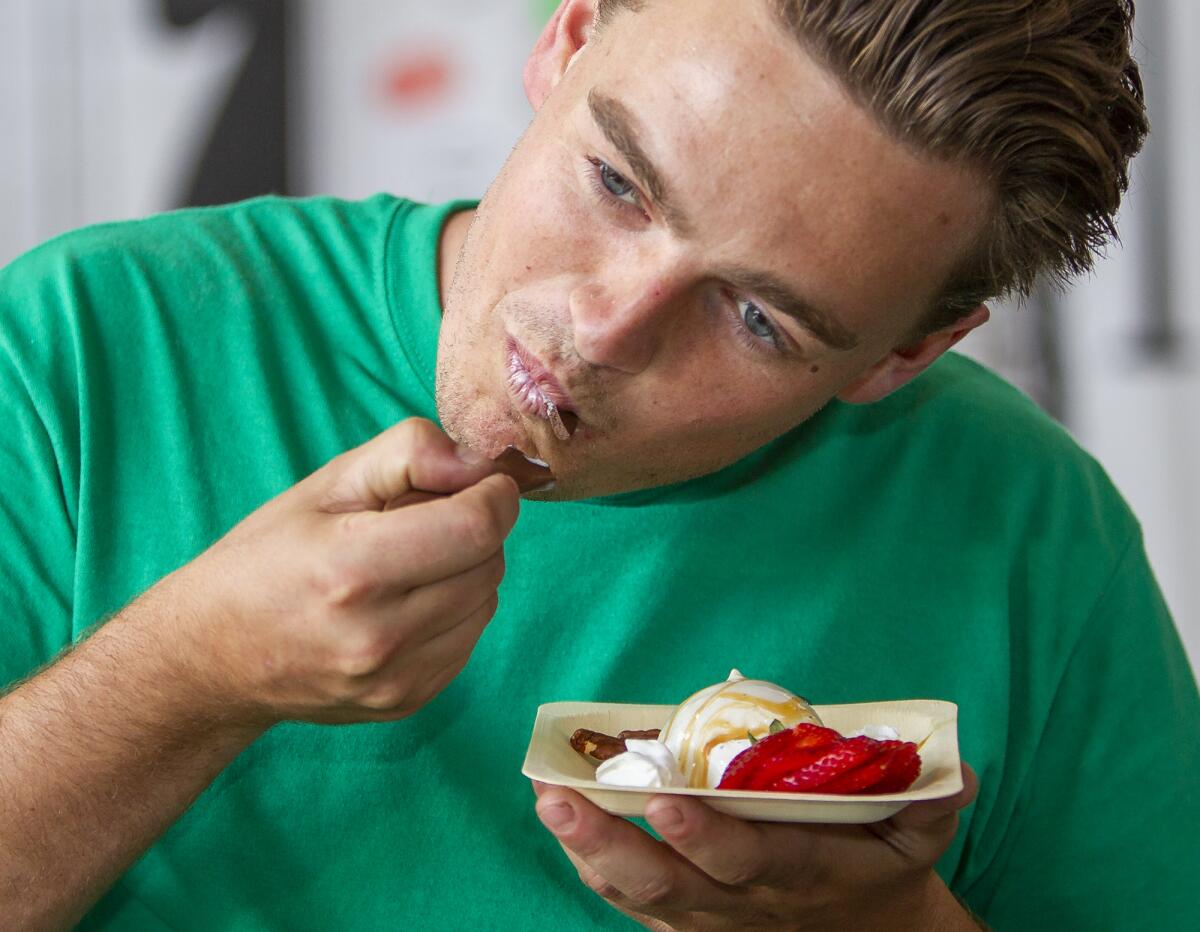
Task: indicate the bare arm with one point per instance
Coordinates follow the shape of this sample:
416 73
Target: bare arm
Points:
322 606
99 754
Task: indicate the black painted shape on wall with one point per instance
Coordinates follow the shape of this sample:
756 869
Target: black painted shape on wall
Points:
246 152
1159 335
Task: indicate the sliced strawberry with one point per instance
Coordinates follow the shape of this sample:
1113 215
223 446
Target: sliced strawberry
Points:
834 760
902 770
865 776
894 764
776 755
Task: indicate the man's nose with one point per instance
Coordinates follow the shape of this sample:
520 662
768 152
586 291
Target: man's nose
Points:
621 326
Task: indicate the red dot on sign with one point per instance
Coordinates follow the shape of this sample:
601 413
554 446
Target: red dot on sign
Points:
417 79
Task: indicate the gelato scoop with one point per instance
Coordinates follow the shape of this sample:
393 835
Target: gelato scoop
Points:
713 726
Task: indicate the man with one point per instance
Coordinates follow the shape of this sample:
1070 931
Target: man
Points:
730 241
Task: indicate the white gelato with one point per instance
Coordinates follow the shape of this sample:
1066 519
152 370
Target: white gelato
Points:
721 756
711 727
645 763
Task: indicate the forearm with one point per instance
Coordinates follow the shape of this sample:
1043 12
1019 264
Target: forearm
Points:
99 754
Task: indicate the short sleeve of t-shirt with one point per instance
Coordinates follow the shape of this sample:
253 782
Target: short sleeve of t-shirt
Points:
161 378
37 468
1114 779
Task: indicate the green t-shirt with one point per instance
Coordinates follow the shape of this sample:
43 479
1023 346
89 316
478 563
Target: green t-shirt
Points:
161 379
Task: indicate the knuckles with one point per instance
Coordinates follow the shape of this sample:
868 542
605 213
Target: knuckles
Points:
364 652
414 434
340 588
390 697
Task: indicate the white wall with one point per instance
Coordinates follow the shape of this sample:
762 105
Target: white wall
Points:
102 108
444 143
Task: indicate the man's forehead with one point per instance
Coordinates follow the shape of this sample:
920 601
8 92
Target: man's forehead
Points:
716 49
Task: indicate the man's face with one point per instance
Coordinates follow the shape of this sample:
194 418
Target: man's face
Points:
697 244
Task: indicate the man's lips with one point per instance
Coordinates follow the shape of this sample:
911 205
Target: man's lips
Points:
534 387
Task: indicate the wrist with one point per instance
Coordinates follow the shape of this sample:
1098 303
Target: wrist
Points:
923 905
178 665
939 910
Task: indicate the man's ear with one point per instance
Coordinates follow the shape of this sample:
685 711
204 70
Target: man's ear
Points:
903 365
563 38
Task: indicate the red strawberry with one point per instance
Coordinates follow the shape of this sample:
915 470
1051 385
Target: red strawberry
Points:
810 759
892 771
902 770
837 759
776 755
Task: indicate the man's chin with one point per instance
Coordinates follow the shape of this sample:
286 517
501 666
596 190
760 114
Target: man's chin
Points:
577 481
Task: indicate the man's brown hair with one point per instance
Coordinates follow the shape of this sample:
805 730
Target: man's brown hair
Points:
1042 96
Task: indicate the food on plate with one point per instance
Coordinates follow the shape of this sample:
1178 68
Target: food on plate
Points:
645 763
599 747
711 727
812 759
753 735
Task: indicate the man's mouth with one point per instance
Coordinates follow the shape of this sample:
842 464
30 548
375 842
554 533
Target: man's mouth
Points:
538 393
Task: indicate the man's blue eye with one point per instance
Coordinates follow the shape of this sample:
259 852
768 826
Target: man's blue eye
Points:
756 321
617 186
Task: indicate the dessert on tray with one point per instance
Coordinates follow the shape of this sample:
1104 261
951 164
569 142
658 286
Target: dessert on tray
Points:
752 735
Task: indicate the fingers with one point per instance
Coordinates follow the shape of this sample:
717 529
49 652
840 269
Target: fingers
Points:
623 863
415 454
442 605
442 652
422 544
450 652
731 851
399 692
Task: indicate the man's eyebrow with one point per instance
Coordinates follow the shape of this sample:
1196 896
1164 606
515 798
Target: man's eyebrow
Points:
622 129
827 328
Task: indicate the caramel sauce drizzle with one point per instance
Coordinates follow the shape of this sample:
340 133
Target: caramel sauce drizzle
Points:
697 770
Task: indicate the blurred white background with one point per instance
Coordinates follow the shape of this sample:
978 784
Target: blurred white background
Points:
118 108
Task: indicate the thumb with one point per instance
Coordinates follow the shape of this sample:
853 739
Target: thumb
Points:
414 455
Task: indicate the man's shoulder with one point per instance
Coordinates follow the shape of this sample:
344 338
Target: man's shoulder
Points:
960 437
961 404
201 275
266 221
259 252
972 396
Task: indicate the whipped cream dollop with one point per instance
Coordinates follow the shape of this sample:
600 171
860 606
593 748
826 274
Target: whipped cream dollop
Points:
648 764
876 733
711 727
